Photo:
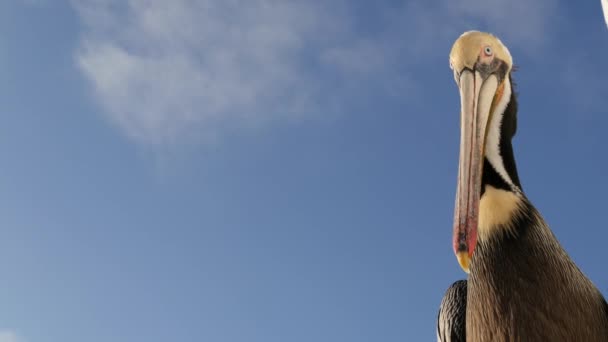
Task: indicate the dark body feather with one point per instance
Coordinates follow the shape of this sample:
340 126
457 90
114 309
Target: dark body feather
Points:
451 321
524 287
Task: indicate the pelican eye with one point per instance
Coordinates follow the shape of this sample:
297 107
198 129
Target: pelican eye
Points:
488 51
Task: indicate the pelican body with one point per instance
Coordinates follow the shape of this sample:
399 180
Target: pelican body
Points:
522 285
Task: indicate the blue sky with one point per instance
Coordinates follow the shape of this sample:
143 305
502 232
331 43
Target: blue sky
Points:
260 171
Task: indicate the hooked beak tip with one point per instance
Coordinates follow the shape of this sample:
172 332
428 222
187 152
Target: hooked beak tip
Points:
464 260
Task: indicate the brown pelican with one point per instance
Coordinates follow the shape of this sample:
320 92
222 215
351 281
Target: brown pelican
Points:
522 285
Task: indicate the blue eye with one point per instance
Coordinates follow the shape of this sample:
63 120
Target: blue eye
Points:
488 51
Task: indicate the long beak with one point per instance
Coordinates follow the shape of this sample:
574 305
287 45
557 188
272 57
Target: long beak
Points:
476 96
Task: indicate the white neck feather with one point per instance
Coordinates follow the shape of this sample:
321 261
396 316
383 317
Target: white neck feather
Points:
492 149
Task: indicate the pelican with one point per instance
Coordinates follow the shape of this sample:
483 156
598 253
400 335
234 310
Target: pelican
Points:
522 285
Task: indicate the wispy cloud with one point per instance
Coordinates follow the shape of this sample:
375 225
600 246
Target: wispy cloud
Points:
9 336
168 70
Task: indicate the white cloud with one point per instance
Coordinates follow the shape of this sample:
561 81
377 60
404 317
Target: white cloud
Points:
9 336
164 68
168 70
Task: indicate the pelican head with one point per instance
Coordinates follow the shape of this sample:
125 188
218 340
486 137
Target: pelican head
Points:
482 67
